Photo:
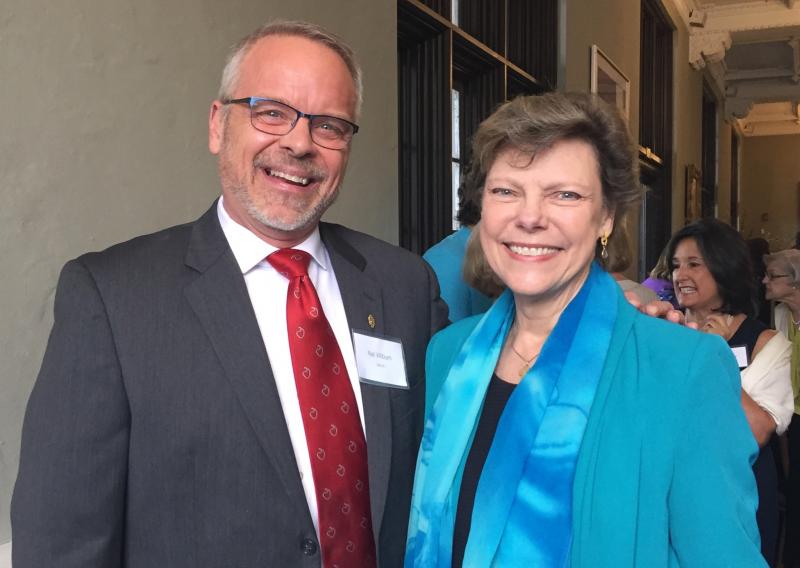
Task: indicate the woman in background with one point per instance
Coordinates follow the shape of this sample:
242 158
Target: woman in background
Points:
660 280
713 279
782 281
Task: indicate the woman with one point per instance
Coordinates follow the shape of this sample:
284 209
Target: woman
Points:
713 279
660 280
562 432
782 281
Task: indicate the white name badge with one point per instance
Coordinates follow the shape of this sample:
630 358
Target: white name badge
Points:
380 360
740 352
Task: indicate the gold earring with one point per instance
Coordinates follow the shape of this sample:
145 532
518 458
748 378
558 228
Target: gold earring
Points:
604 243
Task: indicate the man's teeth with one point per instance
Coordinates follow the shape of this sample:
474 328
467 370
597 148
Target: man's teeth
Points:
531 251
289 177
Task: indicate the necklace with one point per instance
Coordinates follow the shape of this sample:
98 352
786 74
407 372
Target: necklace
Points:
528 362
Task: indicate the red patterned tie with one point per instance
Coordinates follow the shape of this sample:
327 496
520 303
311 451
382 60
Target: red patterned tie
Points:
335 440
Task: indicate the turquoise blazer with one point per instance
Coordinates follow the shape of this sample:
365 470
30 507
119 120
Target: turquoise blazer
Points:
664 474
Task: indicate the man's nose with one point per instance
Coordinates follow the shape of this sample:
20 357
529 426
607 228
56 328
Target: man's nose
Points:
298 140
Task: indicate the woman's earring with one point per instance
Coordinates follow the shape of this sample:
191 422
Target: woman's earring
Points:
604 243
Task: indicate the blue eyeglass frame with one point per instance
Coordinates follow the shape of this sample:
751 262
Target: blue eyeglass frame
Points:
251 101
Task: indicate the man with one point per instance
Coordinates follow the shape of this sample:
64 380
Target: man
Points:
170 425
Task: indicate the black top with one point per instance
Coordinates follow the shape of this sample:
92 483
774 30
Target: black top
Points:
747 335
497 396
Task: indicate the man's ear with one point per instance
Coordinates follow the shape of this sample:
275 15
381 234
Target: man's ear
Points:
216 127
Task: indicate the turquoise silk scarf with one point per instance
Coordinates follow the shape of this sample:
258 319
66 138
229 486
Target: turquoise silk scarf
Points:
523 506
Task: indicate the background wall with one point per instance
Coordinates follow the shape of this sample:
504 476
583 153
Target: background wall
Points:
104 137
770 177
687 116
612 25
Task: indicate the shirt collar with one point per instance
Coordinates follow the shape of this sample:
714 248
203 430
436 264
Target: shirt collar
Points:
250 250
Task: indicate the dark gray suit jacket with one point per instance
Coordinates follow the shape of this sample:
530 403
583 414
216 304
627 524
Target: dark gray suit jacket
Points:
154 436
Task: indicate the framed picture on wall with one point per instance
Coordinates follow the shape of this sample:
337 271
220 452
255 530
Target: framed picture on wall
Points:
692 193
609 82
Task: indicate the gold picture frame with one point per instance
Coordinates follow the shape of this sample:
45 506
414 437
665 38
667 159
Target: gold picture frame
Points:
693 205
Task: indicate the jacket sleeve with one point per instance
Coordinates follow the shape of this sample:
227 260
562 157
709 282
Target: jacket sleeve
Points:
713 497
68 504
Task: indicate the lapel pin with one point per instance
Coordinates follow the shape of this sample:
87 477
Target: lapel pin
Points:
371 321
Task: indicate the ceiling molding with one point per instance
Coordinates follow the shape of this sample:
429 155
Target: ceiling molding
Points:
746 16
707 47
683 8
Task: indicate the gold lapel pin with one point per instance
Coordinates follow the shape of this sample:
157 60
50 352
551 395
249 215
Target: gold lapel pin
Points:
371 321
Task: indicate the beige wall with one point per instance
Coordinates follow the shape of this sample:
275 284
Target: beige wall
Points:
104 137
612 25
770 176
687 116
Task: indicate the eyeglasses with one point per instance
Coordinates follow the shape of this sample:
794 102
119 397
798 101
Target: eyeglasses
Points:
771 276
273 117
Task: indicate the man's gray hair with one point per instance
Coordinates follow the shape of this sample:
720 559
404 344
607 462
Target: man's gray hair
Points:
313 32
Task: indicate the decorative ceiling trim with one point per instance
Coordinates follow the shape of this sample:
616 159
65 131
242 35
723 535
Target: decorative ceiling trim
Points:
707 47
752 16
795 44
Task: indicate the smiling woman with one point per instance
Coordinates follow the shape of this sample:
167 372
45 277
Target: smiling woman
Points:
557 417
713 279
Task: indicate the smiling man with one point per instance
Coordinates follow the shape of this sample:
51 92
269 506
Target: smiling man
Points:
246 389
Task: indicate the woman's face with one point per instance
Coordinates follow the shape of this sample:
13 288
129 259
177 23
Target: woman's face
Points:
694 285
777 283
541 219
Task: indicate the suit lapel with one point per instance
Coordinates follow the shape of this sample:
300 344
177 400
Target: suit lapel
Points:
221 302
362 298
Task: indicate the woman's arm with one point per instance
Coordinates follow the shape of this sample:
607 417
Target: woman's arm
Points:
766 387
761 422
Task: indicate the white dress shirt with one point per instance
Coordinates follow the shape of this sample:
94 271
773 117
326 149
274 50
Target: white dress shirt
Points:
267 290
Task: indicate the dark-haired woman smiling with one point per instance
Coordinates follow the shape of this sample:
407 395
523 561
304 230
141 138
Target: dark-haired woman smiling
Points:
712 276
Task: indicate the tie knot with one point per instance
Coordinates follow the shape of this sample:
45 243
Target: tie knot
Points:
292 263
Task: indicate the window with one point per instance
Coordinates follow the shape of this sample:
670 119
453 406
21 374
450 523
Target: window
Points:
708 194
457 60
655 133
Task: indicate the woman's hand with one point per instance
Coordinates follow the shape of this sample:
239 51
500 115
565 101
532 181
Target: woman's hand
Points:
659 309
719 324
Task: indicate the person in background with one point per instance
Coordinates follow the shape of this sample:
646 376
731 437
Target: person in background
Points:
660 280
562 431
713 279
447 259
782 282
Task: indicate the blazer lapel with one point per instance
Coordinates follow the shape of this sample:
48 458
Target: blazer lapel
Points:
584 489
221 302
362 299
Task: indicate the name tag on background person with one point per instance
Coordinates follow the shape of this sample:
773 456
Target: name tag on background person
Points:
740 352
380 360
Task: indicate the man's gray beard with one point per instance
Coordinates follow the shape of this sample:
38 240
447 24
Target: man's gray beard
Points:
306 218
